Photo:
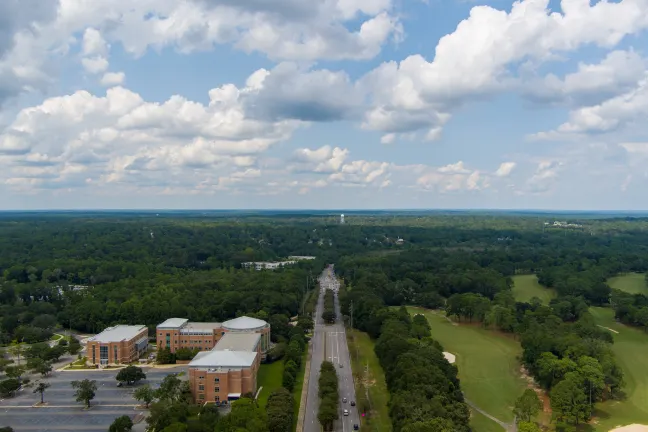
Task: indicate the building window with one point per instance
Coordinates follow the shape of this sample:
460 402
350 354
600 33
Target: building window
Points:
217 399
201 396
216 380
201 387
103 354
115 358
222 333
216 389
94 359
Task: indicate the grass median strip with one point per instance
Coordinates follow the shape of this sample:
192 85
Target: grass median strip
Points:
369 381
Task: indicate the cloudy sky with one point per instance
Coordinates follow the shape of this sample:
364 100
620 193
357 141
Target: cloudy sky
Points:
323 104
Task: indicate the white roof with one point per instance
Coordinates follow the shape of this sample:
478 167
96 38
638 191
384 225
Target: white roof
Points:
224 359
238 342
118 333
204 325
244 323
173 323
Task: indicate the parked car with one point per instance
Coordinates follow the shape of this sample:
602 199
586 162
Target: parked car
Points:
346 412
356 427
352 403
344 400
340 364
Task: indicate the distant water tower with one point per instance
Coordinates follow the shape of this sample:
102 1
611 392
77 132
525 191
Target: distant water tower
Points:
341 219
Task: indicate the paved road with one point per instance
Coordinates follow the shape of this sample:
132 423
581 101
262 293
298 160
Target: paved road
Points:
337 352
63 413
311 424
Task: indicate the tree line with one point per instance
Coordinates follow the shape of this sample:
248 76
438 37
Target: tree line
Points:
569 356
329 396
631 309
425 393
328 315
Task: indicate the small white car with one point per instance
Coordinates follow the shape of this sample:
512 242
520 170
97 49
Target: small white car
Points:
346 412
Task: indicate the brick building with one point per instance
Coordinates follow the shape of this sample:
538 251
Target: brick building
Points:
227 371
231 353
120 344
176 333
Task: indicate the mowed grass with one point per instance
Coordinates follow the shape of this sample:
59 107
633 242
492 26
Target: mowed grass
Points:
270 378
633 283
525 287
488 364
361 349
481 423
631 350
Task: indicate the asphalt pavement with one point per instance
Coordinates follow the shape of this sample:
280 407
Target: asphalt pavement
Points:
63 413
330 341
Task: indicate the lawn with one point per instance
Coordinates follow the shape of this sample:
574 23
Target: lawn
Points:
361 349
270 378
631 350
488 367
481 423
633 283
526 287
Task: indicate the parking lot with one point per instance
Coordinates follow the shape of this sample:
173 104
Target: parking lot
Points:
63 413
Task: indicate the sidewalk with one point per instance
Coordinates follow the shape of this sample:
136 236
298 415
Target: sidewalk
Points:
304 395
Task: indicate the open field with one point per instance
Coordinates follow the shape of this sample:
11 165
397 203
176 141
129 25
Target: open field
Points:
633 283
270 378
361 349
526 287
631 350
488 367
481 423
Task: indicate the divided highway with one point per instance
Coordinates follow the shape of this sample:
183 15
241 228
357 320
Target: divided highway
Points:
330 341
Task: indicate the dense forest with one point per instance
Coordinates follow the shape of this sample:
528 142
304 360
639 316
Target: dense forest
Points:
87 272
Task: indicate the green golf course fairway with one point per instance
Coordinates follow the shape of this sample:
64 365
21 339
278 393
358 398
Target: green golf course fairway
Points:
488 367
525 287
631 350
633 283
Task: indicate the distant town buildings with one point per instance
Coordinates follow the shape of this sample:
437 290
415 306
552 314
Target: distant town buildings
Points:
231 353
267 265
273 265
120 344
341 219
558 224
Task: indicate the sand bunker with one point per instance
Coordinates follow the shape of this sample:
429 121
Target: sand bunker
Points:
451 359
631 428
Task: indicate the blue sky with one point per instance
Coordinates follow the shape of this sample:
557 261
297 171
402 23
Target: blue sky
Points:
323 104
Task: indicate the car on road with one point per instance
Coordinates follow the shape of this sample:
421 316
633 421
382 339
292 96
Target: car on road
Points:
340 364
356 427
344 400
346 412
352 403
